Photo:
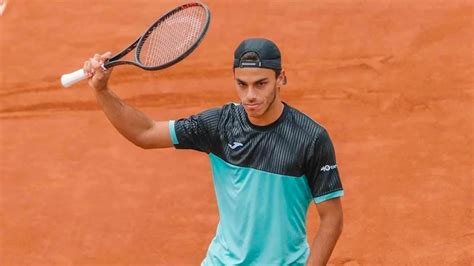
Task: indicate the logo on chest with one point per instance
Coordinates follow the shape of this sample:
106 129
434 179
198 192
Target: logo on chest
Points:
235 145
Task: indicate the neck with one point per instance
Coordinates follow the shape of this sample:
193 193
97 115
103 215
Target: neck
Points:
271 115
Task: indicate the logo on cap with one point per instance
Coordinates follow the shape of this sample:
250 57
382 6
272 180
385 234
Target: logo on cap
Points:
250 64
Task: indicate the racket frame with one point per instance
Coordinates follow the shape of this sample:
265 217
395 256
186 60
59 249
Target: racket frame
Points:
138 44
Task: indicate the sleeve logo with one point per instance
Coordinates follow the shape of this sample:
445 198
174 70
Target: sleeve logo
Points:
328 167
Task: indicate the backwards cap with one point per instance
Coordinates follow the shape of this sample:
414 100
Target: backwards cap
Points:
269 55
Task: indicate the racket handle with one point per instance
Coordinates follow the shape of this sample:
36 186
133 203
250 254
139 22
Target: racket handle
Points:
67 80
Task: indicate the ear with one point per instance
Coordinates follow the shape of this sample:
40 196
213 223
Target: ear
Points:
282 78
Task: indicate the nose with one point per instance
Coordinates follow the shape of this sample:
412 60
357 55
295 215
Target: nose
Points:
251 94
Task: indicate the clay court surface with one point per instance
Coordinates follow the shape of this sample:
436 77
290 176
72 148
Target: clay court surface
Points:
392 81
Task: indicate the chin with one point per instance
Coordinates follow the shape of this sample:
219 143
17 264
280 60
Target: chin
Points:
254 113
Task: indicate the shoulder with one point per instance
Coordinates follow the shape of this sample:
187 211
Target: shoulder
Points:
216 115
217 112
226 108
305 125
230 110
231 107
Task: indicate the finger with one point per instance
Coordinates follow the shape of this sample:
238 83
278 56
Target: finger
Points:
105 56
87 68
98 59
94 63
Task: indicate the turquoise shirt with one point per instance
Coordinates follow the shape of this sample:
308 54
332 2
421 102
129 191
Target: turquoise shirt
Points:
262 194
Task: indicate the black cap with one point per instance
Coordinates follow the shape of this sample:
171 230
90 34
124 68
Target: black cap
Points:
268 54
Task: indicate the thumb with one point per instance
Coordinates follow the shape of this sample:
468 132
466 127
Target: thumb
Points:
105 56
102 59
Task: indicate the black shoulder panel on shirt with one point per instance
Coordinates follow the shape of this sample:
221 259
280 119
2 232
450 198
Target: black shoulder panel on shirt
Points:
294 145
281 148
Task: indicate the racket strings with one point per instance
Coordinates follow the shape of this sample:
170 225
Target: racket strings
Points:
173 37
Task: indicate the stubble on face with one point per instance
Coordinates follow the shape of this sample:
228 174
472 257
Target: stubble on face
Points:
258 93
267 105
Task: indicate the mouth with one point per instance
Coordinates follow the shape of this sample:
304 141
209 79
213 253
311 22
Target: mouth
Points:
252 105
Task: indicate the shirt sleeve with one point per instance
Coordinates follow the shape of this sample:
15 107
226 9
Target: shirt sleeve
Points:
197 132
321 170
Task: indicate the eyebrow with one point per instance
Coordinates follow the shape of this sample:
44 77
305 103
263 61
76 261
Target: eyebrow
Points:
260 80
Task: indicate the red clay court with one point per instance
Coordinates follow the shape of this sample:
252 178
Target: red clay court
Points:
392 81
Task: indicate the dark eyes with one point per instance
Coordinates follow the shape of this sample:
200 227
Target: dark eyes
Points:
259 84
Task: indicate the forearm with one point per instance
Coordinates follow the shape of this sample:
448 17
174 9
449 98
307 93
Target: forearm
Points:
324 243
131 123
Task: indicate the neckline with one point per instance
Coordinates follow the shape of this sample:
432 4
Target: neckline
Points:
271 125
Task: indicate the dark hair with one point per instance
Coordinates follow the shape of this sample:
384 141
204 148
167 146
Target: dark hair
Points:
253 57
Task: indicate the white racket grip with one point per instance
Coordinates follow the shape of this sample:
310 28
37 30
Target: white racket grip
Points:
70 79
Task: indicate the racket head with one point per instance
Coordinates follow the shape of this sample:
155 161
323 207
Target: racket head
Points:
173 36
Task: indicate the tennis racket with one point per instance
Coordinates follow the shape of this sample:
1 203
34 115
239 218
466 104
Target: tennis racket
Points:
167 41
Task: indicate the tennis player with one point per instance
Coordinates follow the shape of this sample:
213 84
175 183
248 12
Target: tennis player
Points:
269 162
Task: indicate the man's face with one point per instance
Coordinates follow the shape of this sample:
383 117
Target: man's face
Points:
257 88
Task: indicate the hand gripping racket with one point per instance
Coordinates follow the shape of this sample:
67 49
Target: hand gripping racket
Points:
166 42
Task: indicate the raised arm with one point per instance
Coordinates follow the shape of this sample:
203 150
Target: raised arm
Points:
130 122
